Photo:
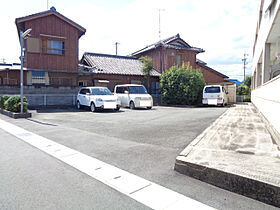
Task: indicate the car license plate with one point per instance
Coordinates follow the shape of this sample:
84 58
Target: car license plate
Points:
110 105
212 101
145 103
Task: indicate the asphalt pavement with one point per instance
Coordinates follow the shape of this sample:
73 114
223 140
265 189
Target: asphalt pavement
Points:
142 142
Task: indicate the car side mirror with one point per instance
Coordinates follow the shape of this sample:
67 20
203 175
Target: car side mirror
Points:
126 92
88 94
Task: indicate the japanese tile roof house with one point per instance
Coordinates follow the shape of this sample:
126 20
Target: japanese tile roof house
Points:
114 69
51 56
174 51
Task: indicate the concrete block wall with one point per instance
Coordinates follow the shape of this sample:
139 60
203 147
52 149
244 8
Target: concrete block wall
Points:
267 99
6 90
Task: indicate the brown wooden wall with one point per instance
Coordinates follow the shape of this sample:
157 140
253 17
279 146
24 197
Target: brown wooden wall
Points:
187 56
52 25
169 57
210 76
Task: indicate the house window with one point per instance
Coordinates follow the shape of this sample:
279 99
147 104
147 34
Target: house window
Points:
179 60
38 77
53 47
82 83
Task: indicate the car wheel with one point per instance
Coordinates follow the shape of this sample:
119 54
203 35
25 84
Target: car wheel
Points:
92 107
117 109
149 107
78 105
131 105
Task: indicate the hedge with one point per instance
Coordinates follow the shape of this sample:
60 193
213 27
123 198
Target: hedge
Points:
13 103
2 100
182 85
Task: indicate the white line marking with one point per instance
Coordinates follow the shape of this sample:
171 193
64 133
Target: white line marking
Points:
141 190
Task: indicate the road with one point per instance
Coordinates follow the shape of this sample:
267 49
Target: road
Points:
141 142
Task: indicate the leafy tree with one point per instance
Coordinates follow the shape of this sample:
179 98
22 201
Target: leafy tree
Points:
248 81
242 90
147 68
182 85
245 89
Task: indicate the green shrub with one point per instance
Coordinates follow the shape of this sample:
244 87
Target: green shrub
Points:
182 85
2 100
243 90
13 104
247 99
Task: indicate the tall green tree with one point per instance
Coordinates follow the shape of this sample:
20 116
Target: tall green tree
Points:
182 85
247 81
147 68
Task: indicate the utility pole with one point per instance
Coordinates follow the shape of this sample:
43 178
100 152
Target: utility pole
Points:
244 64
159 22
117 43
3 60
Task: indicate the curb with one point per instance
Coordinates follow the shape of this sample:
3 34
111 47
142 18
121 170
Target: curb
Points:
258 190
251 188
15 115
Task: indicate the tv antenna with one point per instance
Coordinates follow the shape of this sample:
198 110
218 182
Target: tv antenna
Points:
159 31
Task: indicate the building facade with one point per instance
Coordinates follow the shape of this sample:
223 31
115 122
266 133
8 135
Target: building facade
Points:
51 50
266 63
175 51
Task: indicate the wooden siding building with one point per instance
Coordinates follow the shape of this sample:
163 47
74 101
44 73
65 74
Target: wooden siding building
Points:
51 55
174 51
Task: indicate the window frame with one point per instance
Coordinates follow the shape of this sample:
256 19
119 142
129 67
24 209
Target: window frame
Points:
45 49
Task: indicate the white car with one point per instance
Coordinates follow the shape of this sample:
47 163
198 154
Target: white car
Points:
97 98
133 96
214 95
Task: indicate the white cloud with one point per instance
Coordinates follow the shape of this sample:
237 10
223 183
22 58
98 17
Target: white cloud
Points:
225 29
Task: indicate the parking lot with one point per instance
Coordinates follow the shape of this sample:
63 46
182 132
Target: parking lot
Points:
169 127
142 142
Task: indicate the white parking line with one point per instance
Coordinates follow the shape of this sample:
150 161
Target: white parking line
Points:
143 191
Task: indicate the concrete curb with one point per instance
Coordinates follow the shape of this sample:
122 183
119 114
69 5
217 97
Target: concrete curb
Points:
251 188
255 189
15 115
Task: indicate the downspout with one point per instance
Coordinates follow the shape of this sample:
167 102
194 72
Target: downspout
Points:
162 59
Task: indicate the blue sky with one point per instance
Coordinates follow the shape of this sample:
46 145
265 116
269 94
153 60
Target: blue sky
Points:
225 29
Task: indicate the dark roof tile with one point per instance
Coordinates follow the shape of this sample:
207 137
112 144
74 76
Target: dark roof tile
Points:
114 64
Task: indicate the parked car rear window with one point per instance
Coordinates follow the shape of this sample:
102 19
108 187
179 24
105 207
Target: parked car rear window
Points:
84 91
101 91
212 90
137 90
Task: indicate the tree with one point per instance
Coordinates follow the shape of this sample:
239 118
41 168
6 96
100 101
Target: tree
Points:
248 81
147 68
182 85
242 90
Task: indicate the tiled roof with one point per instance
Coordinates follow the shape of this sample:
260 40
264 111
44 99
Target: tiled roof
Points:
114 64
174 42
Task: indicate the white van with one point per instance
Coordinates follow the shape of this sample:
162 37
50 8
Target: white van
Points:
97 98
133 96
214 95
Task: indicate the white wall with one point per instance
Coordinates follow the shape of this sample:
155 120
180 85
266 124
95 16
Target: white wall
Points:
267 99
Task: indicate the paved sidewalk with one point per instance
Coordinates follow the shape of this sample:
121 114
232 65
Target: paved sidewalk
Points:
236 153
